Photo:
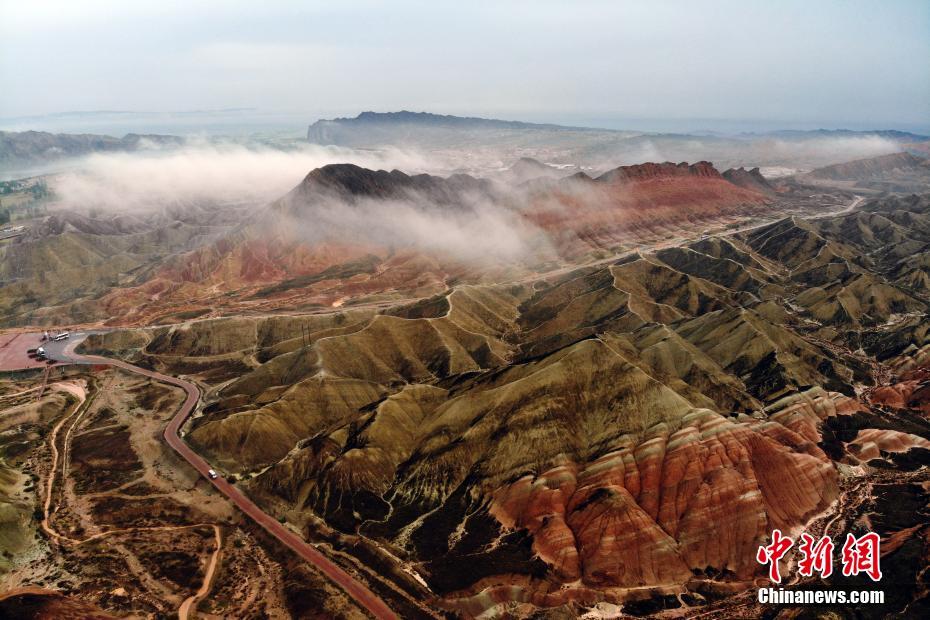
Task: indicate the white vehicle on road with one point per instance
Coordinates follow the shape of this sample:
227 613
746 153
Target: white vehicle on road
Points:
212 473
62 336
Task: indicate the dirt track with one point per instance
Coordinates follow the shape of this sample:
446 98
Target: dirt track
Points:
191 602
361 594
59 460
81 394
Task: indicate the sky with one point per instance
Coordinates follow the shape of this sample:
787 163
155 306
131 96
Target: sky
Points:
633 64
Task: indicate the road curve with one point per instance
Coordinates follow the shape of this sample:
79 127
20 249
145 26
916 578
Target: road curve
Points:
362 595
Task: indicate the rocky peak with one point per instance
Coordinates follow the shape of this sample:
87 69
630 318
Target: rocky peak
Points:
350 182
652 170
355 180
749 179
530 165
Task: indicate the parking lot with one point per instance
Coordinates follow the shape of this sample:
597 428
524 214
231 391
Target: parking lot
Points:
13 349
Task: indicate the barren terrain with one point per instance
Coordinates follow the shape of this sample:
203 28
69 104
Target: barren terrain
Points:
100 510
610 423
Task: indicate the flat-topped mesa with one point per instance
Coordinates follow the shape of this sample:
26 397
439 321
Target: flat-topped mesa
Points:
325 130
652 170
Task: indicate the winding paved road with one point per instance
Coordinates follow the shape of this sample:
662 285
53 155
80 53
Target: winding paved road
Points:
362 595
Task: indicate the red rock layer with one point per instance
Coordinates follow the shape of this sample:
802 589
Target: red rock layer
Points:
871 442
701 496
650 170
912 394
634 522
911 390
574 217
638 202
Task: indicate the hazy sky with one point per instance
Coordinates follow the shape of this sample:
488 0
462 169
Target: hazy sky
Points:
830 63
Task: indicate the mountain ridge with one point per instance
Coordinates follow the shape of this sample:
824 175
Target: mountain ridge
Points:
430 119
868 167
407 116
31 146
750 179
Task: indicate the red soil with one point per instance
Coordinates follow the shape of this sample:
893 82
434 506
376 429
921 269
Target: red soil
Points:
13 349
911 391
578 216
703 496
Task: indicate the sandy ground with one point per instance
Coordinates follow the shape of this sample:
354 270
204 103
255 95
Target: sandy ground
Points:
125 546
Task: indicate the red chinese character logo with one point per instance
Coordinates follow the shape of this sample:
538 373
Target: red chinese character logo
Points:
772 553
860 555
817 557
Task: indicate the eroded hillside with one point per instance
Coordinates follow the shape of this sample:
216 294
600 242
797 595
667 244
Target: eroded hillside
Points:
351 235
625 433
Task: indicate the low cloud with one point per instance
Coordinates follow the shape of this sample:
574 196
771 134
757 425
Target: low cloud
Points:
487 227
824 151
153 179
792 153
479 231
